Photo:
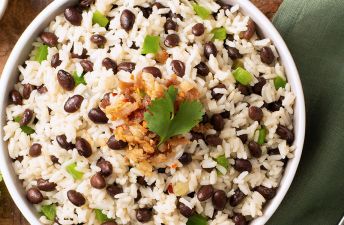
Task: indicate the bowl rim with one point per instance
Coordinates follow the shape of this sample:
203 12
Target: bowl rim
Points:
249 9
3 5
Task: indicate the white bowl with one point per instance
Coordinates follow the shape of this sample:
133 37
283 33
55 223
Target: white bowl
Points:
3 4
23 47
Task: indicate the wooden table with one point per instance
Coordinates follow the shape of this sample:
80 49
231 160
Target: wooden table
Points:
17 17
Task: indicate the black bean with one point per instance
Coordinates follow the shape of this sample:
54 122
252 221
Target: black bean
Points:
170 25
205 192
242 165
105 167
251 29
185 210
62 141
219 200
172 40
213 140
153 70
161 170
49 39
243 138
273 151
82 56
66 80
239 219
144 215
257 88
267 193
185 159
115 144
55 60
76 198
225 114
87 65
223 5
205 119
141 181
233 53
109 223
158 5
245 90
217 122
34 196
196 136
98 39
146 11
285 134
236 198
210 49
35 150
73 103
198 29
45 185
255 149
27 117
42 89
274 106
267 56
16 98
83 146
27 89
127 20
97 181
110 64
170 14
178 67
73 15
105 102
217 96
126 66
86 3
54 159
96 115
202 69
255 113
114 190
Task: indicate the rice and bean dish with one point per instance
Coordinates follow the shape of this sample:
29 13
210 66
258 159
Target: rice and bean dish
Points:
156 112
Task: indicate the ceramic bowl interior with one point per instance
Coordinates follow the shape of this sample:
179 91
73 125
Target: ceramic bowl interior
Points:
23 47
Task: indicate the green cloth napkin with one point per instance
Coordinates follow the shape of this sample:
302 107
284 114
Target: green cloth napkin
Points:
314 33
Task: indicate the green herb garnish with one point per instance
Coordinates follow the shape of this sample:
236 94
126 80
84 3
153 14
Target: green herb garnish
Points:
219 33
242 76
151 44
165 122
100 216
197 219
42 53
222 161
261 136
79 79
201 11
71 169
49 211
279 82
100 19
26 129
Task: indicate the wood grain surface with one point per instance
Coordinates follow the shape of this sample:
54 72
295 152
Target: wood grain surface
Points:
18 15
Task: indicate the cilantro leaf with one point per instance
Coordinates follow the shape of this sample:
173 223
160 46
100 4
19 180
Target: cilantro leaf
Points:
164 121
49 211
100 216
79 79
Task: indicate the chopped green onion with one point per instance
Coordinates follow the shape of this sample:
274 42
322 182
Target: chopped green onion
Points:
201 11
279 82
219 33
100 216
151 44
71 169
49 211
262 135
79 79
42 53
197 219
237 63
100 19
223 162
242 76
26 129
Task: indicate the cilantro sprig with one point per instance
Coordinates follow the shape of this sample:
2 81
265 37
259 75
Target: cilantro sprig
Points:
163 119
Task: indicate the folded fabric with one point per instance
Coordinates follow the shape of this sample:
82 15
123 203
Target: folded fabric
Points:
314 33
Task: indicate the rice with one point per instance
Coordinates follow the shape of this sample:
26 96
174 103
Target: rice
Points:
164 190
